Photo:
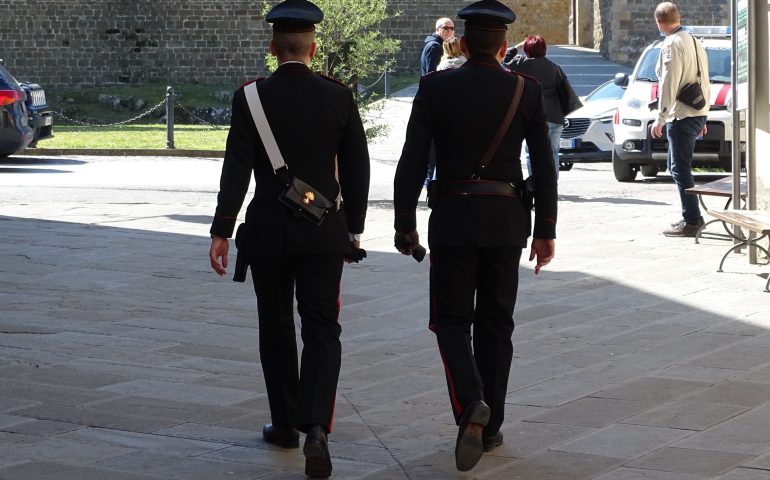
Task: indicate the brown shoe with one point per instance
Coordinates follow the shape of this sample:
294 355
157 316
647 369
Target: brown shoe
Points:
683 230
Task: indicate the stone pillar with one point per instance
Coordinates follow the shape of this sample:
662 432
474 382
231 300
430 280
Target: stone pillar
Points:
549 18
584 23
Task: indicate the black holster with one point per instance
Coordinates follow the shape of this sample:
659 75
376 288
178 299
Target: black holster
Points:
241 262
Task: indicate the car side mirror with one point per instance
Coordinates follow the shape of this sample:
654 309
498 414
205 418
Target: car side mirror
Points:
621 79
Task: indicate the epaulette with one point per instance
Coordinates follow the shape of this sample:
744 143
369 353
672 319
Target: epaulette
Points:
332 79
252 81
435 72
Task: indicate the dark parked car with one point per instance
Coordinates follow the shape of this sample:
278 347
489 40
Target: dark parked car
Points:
25 116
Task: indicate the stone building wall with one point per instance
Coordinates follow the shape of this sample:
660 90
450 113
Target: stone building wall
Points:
72 42
623 28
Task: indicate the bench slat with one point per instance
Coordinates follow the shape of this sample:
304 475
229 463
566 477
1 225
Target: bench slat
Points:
755 220
718 188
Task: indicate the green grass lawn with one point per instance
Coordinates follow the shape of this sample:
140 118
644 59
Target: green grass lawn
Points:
83 103
186 137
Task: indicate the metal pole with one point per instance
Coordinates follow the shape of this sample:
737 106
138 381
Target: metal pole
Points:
170 117
387 84
736 148
751 125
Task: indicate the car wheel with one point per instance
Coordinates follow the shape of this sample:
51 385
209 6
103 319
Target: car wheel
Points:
649 170
623 171
565 166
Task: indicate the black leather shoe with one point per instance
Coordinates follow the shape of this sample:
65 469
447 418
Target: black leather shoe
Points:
492 442
469 447
282 436
318 463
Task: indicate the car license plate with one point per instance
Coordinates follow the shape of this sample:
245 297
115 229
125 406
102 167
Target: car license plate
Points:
566 143
48 121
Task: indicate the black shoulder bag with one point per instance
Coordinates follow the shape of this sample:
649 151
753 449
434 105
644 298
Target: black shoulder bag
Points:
692 94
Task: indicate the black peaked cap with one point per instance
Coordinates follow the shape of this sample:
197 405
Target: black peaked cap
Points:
294 16
487 15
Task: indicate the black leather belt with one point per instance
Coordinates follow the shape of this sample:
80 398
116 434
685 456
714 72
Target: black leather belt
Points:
477 187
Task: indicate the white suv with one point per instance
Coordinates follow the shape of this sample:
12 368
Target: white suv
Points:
635 150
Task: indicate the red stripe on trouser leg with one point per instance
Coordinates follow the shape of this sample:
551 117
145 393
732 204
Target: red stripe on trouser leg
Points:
431 299
452 395
339 307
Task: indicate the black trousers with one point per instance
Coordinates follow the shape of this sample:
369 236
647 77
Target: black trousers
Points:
299 397
475 287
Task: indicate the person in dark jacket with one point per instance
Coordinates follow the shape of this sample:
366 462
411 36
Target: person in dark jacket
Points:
433 49
560 98
314 120
479 223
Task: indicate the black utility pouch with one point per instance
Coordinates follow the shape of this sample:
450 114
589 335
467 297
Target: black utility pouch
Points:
305 201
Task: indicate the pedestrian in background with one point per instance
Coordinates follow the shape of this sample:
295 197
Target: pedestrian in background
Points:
314 120
479 223
682 60
559 96
431 52
453 57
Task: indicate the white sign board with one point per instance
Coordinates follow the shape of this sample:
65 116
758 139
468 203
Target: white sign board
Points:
742 54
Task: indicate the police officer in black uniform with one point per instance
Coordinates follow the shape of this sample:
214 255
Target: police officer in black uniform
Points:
314 120
479 223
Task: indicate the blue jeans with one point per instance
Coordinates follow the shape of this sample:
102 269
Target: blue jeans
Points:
554 133
681 145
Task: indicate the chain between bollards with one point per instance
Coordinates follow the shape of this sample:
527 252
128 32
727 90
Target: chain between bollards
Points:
170 117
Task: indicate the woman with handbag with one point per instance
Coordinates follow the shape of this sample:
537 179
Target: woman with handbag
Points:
560 99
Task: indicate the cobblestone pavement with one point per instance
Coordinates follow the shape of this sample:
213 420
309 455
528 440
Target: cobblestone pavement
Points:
123 357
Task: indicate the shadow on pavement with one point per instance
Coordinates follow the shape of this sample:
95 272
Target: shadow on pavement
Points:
616 200
123 356
31 170
200 219
40 161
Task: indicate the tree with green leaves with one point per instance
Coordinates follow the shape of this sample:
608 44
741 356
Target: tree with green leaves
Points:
352 48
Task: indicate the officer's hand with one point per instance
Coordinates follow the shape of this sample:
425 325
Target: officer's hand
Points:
544 250
656 131
406 242
357 253
218 250
704 131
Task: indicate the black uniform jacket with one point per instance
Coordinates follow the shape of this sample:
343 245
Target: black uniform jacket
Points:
314 120
463 109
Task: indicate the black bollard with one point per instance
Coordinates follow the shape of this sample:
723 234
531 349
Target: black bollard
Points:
170 117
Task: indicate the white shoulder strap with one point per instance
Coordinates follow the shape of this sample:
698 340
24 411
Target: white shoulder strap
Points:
260 120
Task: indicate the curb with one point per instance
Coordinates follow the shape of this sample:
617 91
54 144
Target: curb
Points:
158 152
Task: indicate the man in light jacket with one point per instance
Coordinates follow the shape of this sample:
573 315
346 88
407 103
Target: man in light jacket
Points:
680 58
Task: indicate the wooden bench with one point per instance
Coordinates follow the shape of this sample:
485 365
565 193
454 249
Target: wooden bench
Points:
718 188
757 221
